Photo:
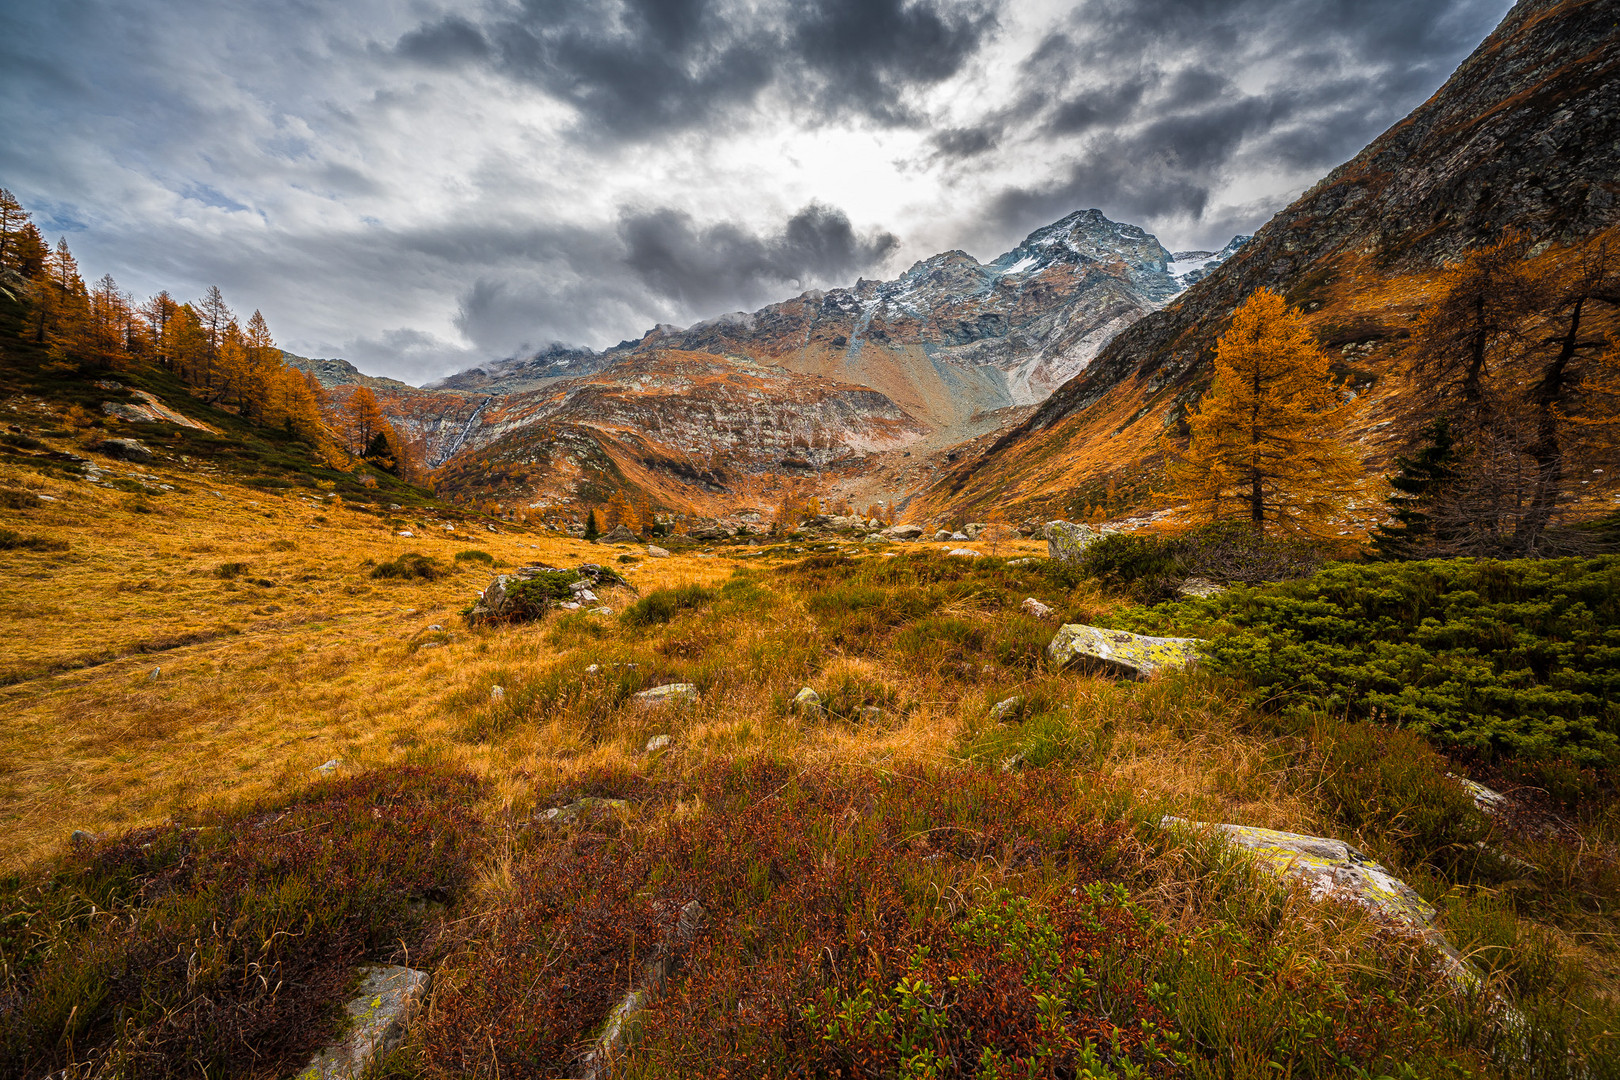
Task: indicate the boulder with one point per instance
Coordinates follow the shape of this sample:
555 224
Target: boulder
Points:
967 553
709 529
656 552
1117 652
388 998
958 537
1032 606
1332 869
619 535
681 693
974 528
124 449
807 703
1199 587
942 535
903 532
1066 541
1492 802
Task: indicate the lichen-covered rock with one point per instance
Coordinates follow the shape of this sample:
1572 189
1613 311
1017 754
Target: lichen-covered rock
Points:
1492 802
1066 541
1118 652
531 591
1332 869
681 693
657 743
808 703
1006 709
377 1018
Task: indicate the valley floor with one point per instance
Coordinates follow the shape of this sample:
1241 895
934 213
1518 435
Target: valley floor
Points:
896 885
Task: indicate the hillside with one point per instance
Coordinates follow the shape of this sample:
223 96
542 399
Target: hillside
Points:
1522 137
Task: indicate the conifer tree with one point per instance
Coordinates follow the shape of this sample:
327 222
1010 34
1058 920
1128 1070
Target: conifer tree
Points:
29 252
13 219
1259 449
1420 483
363 419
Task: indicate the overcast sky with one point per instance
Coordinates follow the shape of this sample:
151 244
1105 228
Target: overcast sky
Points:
421 186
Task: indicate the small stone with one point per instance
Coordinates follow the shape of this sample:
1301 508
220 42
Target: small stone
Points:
395 506
1032 606
330 767
82 838
497 693
1001 710
808 703
656 552
436 628
681 693
407 534
569 605
430 645
657 743
1492 802
593 669
155 673
601 610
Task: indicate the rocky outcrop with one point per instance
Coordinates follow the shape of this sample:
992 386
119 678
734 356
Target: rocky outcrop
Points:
1117 652
1332 869
375 1022
531 591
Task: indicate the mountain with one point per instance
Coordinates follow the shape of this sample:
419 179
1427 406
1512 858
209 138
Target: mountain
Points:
330 373
949 351
1522 137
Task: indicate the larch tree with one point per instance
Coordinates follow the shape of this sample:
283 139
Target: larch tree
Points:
1259 447
362 420
13 219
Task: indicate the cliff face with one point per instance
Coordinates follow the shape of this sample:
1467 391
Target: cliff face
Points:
1523 137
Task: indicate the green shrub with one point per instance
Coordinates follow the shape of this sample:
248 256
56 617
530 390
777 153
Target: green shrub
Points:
1151 567
13 541
1519 658
475 555
663 605
411 566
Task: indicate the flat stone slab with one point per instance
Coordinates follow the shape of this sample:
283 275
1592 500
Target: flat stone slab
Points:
377 1018
680 693
1133 655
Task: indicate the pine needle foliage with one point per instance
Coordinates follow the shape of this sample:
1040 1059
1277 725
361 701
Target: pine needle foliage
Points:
1258 450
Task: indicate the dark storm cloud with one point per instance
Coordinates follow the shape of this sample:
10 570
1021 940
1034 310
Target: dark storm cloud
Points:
647 67
1152 105
964 142
705 267
658 265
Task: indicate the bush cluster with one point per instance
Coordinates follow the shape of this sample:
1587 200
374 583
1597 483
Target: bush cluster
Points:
411 566
1151 567
1519 657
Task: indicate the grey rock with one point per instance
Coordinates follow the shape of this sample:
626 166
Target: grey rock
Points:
958 537
657 743
1118 652
1332 869
808 703
942 535
330 767
388 998
656 552
1492 802
1001 710
82 838
966 553
974 528
124 449
620 535
1066 541
155 673
681 693
1032 606
903 532
601 610
622 1028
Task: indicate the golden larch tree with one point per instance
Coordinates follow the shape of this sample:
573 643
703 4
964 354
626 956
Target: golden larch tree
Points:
1259 448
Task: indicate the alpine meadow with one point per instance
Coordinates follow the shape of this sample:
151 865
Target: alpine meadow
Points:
710 624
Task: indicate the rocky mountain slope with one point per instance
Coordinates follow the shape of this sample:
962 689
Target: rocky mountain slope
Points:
1523 136
936 357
